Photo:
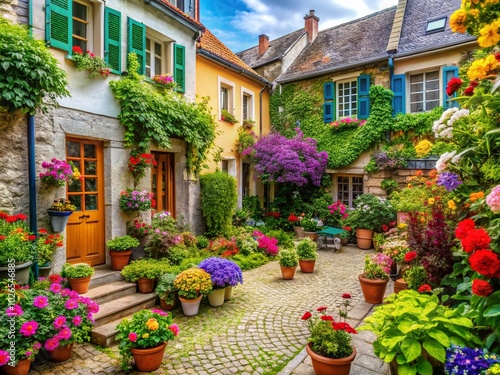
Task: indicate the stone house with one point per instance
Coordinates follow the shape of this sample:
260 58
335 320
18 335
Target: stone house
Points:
408 48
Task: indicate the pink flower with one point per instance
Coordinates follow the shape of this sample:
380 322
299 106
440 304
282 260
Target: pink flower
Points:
71 304
90 317
493 199
59 321
77 320
159 312
4 357
64 334
55 288
37 346
28 354
174 328
15 310
40 302
51 343
29 328
132 336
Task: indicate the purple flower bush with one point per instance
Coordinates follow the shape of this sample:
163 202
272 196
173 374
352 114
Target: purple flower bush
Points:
449 180
293 161
57 172
223 272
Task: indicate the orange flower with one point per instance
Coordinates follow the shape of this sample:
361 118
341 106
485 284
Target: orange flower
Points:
475 196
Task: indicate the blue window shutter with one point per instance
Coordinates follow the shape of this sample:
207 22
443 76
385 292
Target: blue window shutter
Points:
180 67
59 24
449 72
364 81
112 39
137 42
328 91
398 83
328 112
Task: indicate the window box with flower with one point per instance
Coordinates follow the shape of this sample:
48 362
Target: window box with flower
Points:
132 200
88 61
164 82
227 116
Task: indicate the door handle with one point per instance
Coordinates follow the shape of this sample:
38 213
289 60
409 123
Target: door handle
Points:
84 217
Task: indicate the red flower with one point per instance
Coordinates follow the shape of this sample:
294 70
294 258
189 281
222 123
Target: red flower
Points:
385 228
409 256
343 326
469 91
476 239
464 227
77 49
346 295
153 203
424 288
327 317
2 238
485 262
32 237
453 85
21 217
392 224
322 308
473 83
481 288
497 56
292 218
11 219
306 316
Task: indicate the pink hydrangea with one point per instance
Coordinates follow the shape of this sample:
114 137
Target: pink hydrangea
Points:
493 199
29 328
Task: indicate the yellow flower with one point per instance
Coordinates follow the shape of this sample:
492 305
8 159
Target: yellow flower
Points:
452 205
476 70
145 336
76 174
489 35
474 12
457 21
430 201
423 148
152 324
402 226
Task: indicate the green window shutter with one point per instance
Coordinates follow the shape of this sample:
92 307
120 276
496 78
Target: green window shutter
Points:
112 39
59 24
364 96
449 72
398 83
137 42
180 67
328 91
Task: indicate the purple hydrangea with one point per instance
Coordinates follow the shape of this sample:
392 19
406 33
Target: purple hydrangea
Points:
223 272
467 361
449 180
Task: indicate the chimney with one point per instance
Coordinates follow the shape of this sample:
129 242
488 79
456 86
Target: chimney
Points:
263 44
311 26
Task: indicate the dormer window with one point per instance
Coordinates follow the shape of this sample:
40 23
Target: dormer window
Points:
436 25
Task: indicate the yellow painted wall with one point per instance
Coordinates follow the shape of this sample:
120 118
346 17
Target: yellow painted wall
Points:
424 62
208 76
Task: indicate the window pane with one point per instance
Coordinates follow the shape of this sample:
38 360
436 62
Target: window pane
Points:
74 186
416 78
73 149
90 184
79 11
91 202
158 50
90 168
89 151
347 98
223 98
77 201
157 66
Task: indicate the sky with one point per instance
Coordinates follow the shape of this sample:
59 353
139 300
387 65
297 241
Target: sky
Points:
238 23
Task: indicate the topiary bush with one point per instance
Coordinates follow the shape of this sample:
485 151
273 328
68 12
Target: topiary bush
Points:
218 202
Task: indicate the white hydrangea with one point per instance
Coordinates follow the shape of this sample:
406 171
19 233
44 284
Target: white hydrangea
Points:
443 160
458 114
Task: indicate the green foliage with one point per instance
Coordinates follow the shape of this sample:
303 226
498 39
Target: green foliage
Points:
370 212
416 124
74 271
251 261
251 204
122 243
415 277
309 225
285 240
165 287
329 342
148 268
409 323
245 140
202 242
150 115
228 117
288 258
30 76
307 249
389 185
218 201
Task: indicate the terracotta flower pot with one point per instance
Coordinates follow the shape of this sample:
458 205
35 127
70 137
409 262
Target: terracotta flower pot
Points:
169 307
364 238
373 290
307 266
80 284
400 285
21 368
288 272
145 285
119 259
148 359
61 353
299 232
328 366
312 235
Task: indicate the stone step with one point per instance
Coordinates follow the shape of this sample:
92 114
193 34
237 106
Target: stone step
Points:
104 275
123 306
110 292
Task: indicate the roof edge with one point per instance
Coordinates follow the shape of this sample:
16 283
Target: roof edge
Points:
426 51
186 21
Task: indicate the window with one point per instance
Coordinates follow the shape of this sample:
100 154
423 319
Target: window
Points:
225 166
348 188
424 91
82 33
226 96
155 57
347 99
247 105
179 4
436 25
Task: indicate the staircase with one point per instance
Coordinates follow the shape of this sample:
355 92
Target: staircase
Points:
117 299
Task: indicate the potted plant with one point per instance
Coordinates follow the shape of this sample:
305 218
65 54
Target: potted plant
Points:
248 123
288 261
310 226
191 285
45 246
132 200
144 272
223 273
375 277
59 213
139 161
227 116
144 338
413 331
166 292
369 213
295 220
16 247
307 253
120 249
78 276
88 61
58 172
329 344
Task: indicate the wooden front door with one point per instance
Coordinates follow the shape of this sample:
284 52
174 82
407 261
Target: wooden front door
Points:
163 182
85 229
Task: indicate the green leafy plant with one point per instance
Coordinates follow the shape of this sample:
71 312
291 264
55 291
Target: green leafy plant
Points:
245 139
193 282
248 123
415 277
31 78
288 258
75 271
377 266
165 288
146 329
88 61
46 245
144 268
371 212
307 249
389 185
16 244
310 225
228 117
414 329
122 243
251 261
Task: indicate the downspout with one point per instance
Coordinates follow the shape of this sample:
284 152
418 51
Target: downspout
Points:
32 184
260 108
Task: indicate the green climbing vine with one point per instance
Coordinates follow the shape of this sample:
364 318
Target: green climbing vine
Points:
152 115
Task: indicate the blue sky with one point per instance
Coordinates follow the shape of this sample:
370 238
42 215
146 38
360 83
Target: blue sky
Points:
238 23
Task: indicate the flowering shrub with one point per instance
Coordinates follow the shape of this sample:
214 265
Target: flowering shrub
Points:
16 241
423 148
223 272
136 200
45 245
493 199
293 219
468 361
161 243
192 283
370 212
164 81
146 329
223 247
377 266
58 172
269 245
329 338
137 228
385 160
88 61
295 161
338 213
138 162
347 123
